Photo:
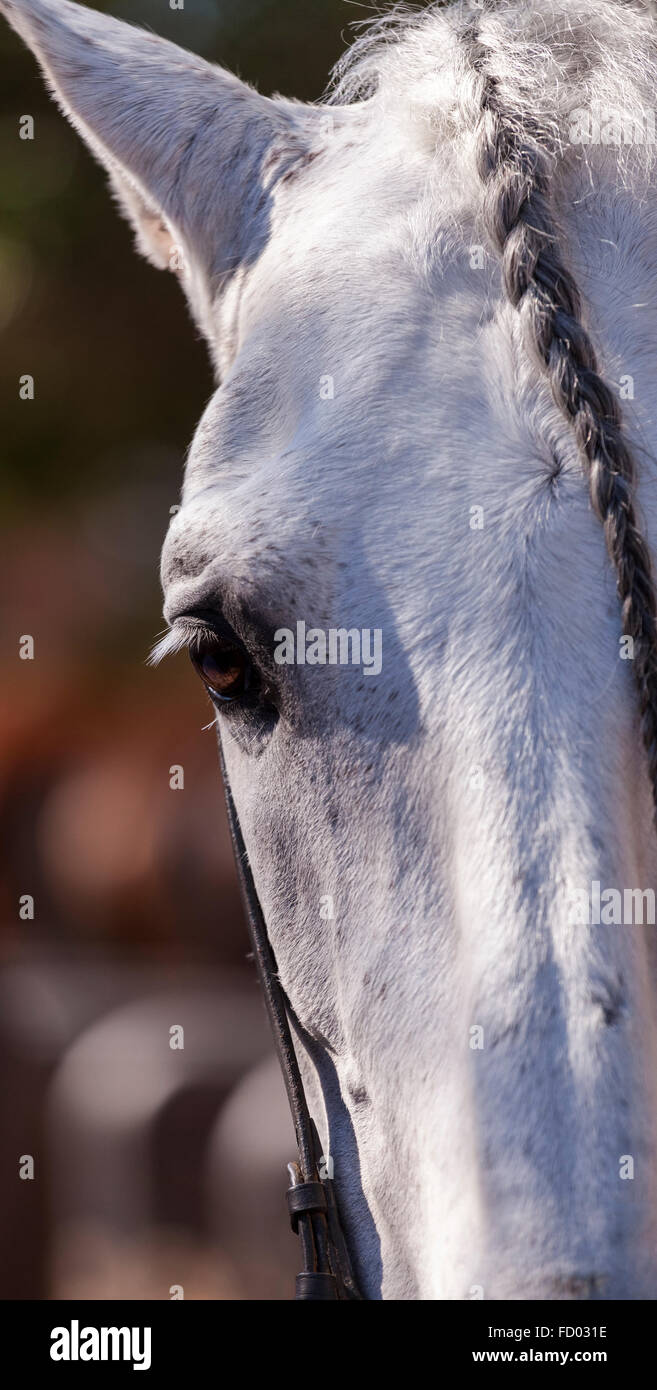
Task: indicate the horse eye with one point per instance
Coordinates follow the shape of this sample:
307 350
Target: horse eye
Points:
224 670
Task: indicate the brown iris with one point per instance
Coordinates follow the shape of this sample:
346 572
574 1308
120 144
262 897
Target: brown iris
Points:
223 669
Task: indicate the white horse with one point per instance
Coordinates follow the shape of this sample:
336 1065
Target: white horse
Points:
414 295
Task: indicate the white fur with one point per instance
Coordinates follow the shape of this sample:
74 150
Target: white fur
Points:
457 1169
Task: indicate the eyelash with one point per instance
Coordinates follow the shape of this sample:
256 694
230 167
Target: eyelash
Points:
252 701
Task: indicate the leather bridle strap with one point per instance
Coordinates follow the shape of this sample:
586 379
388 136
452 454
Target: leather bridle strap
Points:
327 1271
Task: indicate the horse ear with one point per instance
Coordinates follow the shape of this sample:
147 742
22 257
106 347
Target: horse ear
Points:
185 143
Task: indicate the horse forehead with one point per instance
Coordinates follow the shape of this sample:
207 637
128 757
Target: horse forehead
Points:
344 411
369 210
365 488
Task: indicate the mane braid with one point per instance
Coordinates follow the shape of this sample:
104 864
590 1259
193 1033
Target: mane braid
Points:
515 161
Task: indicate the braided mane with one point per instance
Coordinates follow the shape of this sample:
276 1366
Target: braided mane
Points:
518 144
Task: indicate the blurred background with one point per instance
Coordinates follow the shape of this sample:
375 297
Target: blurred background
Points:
124 1161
